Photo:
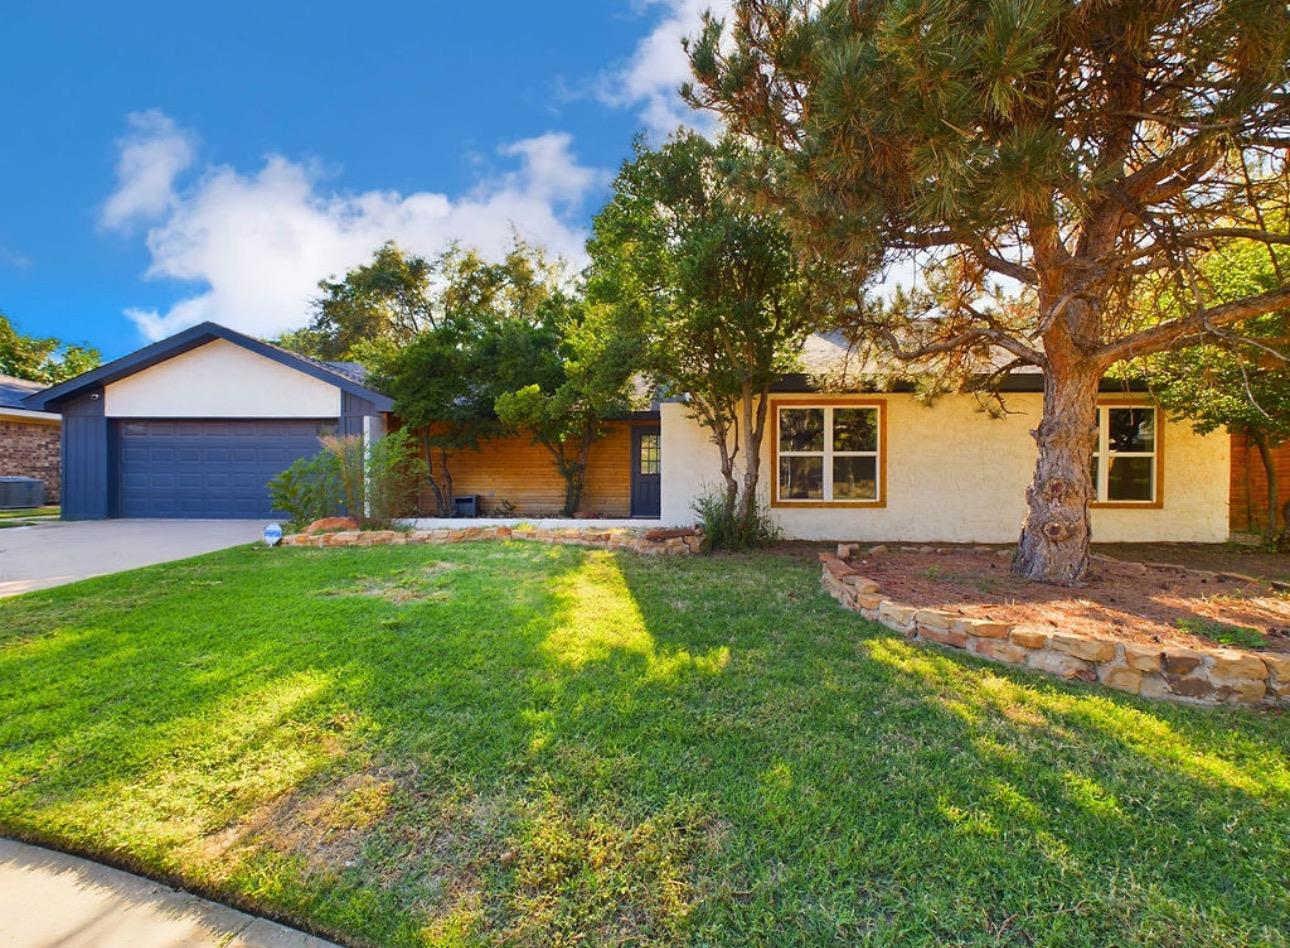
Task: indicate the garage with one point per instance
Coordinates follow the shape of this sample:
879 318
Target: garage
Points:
195 426
208 469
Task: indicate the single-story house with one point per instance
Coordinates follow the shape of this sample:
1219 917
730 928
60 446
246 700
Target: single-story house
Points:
194 426
29 439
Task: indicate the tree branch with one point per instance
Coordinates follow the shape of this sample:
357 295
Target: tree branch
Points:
1165 335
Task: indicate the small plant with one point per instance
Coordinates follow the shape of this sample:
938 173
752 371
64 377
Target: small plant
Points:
933 572
503 508
725 527
393 474
1223 633
308 490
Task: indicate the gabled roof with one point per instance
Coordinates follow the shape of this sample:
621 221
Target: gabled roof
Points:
14 390
190 339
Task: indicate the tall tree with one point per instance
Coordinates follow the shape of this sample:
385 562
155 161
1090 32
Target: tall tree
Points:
486 333
42 359
1074 148
1239 380
576 370
713 289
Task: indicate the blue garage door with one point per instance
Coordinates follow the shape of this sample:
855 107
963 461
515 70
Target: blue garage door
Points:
201 469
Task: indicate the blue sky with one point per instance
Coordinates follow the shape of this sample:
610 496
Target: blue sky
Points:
166 163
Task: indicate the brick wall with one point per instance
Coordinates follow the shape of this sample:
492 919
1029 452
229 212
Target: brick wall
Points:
31 450
1250 484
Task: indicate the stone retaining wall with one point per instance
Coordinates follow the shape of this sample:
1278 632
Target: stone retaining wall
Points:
1191 675
649 542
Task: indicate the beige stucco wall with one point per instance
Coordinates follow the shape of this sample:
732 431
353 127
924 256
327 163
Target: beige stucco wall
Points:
954 474
221 380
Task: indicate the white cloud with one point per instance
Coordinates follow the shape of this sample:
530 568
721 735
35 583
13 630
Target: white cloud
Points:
651 77
261 241
152 154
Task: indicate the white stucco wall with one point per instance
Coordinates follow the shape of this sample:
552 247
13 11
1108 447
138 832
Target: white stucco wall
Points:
221 380
956 475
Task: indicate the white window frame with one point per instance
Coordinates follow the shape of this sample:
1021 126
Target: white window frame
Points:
1104 455
828 454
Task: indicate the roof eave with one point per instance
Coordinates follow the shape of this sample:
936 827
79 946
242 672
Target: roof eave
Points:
185 341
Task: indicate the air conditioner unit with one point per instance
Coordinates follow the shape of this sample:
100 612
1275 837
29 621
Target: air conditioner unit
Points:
467 506
17 493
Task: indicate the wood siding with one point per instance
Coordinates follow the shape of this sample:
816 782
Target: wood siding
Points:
1249 510
515 469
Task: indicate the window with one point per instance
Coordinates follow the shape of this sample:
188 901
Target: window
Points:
650 457
828 454
1125 460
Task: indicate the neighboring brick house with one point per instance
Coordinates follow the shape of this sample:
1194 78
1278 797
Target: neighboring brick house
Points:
29 440
1249 511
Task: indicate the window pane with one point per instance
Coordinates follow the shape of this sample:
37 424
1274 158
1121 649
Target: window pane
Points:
855 478
649 454
801 429
1132 429
1130 479
801 478
1093 476
855 429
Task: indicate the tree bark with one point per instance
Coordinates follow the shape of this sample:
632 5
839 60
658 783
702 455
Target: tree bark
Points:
1054 543
754 433
1274 489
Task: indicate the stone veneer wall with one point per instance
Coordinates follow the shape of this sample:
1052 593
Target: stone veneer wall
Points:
649 542
29 449
1190 675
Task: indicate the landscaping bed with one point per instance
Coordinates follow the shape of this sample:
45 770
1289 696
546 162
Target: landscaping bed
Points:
1157 604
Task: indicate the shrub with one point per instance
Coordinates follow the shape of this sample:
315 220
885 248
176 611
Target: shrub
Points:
395 470
346 452
308 490
725 527
373 487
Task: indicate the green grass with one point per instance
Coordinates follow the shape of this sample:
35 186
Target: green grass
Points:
528 744
1224 633
26 513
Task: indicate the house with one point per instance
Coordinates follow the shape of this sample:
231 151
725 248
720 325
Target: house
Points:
28 437
194 426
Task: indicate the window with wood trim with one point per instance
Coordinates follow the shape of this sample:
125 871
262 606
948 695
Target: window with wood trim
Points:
828 454
1126 460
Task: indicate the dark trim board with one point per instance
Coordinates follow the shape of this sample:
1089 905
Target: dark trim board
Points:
52 399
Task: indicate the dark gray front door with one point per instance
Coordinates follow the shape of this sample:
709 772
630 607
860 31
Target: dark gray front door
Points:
647 472
206 468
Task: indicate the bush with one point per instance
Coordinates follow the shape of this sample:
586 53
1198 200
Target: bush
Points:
395 470
373 487
725 528
308 490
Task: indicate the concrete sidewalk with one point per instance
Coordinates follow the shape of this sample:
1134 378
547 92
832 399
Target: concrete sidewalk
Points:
48 898
55 552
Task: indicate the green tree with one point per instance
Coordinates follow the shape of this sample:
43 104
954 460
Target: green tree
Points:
711 287
510 347
1240 379
47 360
1073 148
576 371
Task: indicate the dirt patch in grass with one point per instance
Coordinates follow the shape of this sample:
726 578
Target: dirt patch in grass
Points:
401 588
1150 604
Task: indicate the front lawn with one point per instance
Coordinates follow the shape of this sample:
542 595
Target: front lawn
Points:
522 743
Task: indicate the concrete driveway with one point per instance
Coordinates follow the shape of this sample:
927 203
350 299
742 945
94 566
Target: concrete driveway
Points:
57 552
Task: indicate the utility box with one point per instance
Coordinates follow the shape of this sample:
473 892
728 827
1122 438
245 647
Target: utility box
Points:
467 506
18 493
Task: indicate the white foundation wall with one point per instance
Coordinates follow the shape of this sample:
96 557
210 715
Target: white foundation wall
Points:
956 475
221 380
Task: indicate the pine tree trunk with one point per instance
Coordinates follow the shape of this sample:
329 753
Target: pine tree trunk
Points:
1054 543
